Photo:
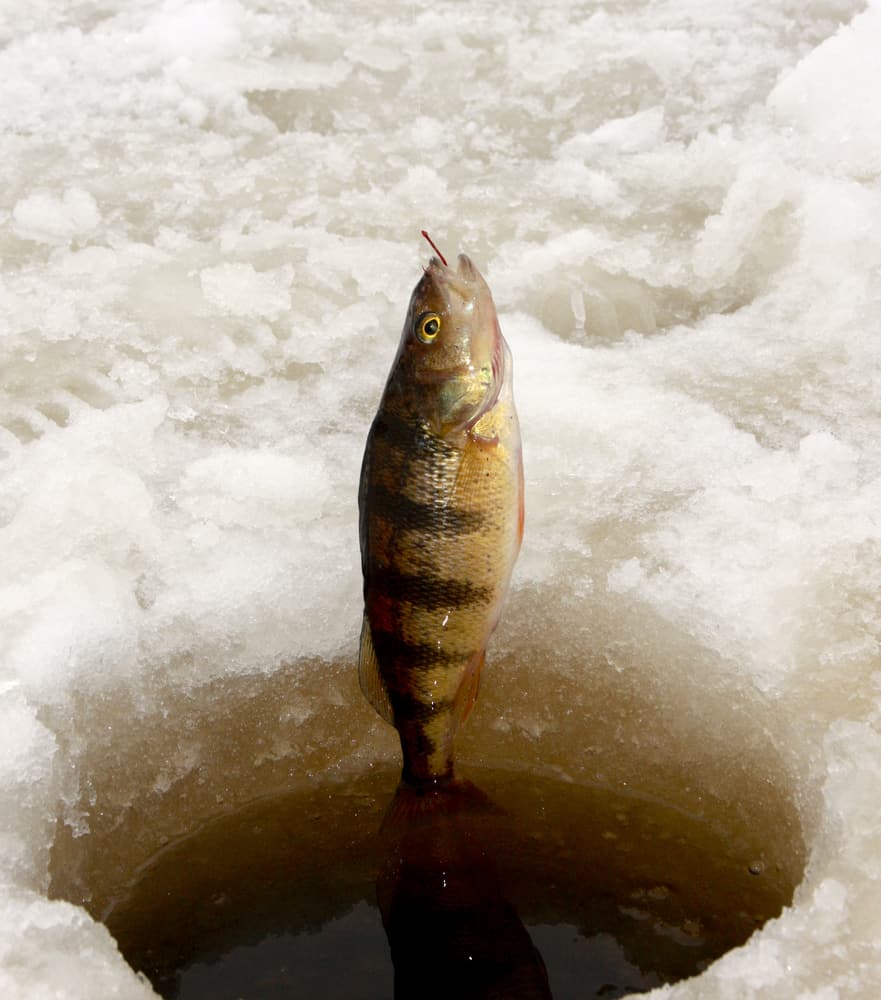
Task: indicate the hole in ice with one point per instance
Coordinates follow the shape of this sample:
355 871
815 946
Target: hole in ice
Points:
229 838
619 893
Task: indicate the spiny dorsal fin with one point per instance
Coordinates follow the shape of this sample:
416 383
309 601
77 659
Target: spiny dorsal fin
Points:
371 680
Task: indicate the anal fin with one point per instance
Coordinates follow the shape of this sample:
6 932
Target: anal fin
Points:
370 678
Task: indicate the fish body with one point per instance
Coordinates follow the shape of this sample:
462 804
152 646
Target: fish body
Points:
441 515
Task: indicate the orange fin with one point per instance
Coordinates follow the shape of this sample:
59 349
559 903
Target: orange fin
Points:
521 512
370 678
415 805
466 696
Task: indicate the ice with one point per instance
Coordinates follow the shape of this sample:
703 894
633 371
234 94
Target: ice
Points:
828 98
201 28
239 290
48 219
59 951
209 232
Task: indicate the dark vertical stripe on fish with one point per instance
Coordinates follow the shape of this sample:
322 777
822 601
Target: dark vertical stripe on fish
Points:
416 710
393 649
415 515
429 592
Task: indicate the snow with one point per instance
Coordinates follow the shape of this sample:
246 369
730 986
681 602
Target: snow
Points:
46 219
209 217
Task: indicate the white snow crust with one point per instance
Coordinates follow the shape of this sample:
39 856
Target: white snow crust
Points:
209 216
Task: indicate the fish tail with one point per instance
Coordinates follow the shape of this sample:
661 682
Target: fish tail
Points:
422 803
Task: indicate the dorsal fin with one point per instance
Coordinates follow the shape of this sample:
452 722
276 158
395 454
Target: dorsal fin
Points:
371 680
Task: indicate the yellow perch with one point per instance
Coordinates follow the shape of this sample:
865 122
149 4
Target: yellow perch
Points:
441 515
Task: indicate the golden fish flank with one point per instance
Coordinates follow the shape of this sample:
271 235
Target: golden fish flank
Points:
441 515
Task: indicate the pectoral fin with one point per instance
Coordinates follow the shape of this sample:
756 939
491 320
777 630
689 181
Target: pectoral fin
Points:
371 680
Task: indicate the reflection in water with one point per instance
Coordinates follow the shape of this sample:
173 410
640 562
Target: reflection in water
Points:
620 893
451 931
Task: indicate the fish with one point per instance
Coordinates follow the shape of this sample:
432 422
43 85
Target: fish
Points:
451 929
440 515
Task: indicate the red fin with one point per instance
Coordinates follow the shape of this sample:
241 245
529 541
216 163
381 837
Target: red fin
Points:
415 805
467 693
521 513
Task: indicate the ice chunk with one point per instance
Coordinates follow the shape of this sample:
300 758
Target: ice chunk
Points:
239 290
633 134
58 950
28 789
830 97
185 27
47 218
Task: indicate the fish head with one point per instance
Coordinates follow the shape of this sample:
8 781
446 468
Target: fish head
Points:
451 350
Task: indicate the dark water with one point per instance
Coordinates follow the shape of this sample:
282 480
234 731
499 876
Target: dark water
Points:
557 890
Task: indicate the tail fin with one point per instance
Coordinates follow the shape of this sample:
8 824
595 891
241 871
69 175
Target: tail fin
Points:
416 805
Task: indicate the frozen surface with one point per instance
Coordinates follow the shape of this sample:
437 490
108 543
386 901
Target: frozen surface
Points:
208 232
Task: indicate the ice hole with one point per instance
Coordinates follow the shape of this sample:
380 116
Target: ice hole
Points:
228 835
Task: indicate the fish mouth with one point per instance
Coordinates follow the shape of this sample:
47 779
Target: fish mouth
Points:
465 281
466 269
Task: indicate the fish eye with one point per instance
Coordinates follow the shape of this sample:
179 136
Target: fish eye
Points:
428 327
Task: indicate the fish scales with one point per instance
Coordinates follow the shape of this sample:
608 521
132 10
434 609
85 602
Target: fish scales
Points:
441 516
